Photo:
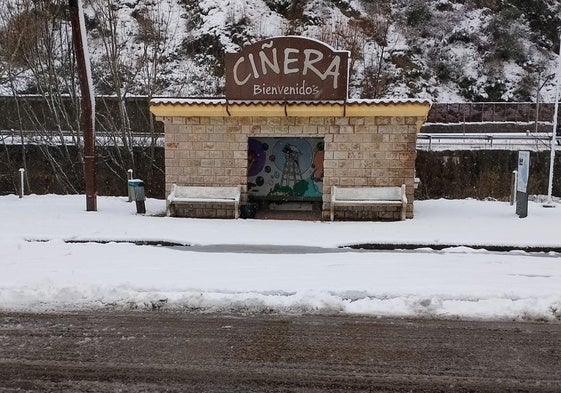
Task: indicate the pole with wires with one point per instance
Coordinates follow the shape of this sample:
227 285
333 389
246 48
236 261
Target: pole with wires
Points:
88 102
549 202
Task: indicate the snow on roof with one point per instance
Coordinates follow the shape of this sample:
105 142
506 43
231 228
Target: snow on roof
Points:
224 101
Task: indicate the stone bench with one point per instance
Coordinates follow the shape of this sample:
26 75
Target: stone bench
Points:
203 194
360 196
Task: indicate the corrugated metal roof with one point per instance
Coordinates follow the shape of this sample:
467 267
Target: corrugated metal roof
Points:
189 107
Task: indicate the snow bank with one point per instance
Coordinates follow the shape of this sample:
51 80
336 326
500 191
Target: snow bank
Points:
54 274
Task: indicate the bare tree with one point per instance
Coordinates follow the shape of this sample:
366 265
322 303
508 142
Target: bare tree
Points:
156 34
113 73
366 37
135 54
35 44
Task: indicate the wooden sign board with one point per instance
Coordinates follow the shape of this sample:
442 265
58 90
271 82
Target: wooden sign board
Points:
287 68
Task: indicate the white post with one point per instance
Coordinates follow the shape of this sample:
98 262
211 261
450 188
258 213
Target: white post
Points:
549 202
129 177
513 187
21 182
538 103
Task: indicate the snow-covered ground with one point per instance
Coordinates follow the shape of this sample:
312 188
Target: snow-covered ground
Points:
45 266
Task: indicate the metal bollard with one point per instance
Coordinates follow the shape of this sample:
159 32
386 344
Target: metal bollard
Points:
513 186
21 182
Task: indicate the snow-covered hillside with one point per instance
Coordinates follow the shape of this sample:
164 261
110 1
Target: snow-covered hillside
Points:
445 50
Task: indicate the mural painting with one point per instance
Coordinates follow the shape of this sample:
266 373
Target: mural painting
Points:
285 168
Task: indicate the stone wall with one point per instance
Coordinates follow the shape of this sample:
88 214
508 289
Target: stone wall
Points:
359 151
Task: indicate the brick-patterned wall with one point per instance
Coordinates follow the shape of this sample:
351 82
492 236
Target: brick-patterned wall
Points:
204 210
359 151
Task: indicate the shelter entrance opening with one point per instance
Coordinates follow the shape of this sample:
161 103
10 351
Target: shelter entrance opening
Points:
285 173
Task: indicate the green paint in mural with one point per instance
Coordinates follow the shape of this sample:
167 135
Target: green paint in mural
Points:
279 190
312 190
300 188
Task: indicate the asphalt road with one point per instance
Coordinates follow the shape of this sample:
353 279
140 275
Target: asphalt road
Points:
193 352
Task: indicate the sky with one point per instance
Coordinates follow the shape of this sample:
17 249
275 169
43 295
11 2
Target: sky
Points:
55 256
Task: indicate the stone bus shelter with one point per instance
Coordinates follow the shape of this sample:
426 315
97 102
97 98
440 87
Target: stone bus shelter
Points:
286 133
291 153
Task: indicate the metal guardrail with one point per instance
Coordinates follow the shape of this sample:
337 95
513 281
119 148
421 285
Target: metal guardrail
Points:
425 141
540 141
66 136
469 112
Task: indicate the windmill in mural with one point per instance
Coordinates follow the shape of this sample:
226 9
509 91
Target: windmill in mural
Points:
291 172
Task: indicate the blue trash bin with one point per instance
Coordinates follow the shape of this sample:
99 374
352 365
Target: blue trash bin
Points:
138 195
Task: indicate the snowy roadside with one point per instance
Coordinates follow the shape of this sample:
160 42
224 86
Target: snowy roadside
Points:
455 282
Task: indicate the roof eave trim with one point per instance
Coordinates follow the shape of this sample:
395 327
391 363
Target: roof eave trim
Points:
358 109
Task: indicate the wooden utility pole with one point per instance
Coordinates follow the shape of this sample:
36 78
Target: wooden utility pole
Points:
88 102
